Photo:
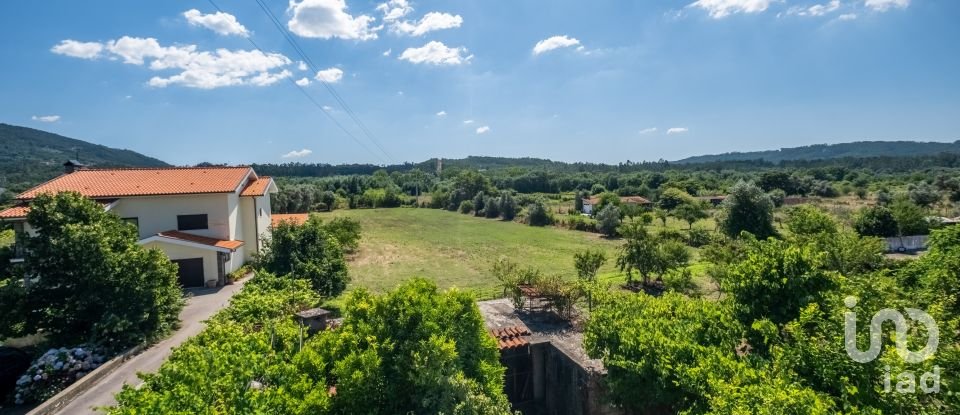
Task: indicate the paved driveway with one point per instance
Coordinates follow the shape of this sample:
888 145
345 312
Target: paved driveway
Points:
202 305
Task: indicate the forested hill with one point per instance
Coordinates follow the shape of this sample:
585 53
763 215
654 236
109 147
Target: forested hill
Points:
857 149
29 156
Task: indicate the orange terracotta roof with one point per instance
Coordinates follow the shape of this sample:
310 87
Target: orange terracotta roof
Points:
21 210
257 187
15 212
98 183
295 218
219 243
509 338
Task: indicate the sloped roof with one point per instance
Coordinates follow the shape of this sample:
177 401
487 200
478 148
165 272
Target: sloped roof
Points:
295 218
509 338
15 212
21 210
623 199
257 187
122 182
203 240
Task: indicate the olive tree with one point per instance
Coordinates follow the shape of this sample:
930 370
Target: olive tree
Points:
747 209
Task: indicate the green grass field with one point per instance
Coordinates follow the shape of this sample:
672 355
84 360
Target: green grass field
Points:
456 250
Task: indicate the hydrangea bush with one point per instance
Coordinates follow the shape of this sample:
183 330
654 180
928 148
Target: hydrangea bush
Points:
55 370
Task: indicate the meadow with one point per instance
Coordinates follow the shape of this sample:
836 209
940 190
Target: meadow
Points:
457 250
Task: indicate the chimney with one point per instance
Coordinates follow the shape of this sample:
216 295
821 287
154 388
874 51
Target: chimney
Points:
71 166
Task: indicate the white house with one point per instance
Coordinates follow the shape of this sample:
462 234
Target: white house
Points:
208 220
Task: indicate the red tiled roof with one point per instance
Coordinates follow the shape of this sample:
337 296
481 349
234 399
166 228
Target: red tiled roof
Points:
219 243
257 187
15 212
295 218
99 183
509 338
21 210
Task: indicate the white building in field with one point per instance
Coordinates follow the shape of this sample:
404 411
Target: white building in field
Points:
208 220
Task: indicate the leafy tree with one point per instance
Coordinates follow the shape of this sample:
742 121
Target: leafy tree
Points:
309 251
346 231
691 211
747 209
491 207
479 204
508 206
777 196
329 199
672 197
661 214
588 262
807 220
911 218
606 199
649 254
466 206
924 195
91 280
875 221
884 197
537 214
776 280
608 220
578 202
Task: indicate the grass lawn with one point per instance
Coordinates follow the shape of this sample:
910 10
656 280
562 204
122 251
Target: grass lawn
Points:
457 250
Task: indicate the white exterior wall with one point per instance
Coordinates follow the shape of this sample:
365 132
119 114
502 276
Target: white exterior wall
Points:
156 214
185 252
587 208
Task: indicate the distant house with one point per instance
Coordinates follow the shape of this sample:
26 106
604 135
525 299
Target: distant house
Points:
207 220
590 203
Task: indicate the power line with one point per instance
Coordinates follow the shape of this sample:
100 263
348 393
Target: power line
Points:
310 98
333 92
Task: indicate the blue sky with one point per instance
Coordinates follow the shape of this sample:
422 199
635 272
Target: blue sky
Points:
568 80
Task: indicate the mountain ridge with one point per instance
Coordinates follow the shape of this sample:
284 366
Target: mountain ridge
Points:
853 149
29 156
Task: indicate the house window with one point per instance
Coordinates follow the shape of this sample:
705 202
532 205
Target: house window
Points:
191 222
134 221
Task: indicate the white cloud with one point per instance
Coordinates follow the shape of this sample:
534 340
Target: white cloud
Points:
436 53
442 114
847 16
554 42
303 81
83 50
648 130
297 153
327 108
483 130
327 19
195 68
46 118
222 23
267 78
302 66
815 10
394 9
468 122
677 130
884 5
719 9
430 22
388 52
329 75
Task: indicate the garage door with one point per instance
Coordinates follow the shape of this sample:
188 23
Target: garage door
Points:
190 271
